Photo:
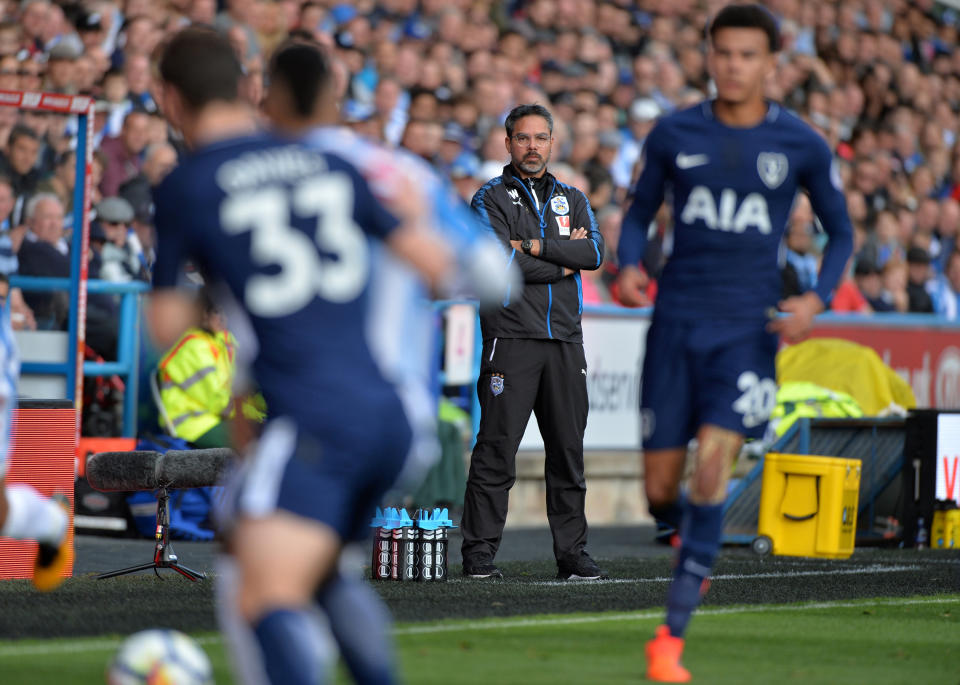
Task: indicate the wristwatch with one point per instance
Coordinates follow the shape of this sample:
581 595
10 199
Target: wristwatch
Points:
526 246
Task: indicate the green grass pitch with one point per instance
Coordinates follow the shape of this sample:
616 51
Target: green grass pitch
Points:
878 641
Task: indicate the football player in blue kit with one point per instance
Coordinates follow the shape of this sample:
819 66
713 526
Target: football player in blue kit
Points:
733 166
300 103
286 230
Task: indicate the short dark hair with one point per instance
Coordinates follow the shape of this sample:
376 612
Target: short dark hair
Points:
202 66
22 131
304 70
747 17
521 111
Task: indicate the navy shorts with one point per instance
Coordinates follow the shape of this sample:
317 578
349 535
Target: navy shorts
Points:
706 372
338 481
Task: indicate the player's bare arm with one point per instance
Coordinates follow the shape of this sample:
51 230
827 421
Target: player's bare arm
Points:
431 258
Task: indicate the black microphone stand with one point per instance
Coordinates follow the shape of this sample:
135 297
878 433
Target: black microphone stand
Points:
163 554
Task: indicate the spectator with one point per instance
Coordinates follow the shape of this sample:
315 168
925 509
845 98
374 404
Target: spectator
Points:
158 160
122 154
464 175
17 164
116 101
867 276
919 281
642 116
61 182
122 255
61 68
947 226
894 283
848 299
31 74
801 266
136 70
44 252
945 290
10 236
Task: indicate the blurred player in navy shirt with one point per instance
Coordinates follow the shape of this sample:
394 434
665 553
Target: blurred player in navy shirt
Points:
287 230
733 167
300 103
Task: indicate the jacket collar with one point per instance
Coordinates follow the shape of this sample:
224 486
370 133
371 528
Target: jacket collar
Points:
542 184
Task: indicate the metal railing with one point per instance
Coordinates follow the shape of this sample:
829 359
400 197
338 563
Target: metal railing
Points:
128 340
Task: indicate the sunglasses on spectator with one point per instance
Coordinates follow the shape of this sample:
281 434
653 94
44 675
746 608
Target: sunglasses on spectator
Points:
539 139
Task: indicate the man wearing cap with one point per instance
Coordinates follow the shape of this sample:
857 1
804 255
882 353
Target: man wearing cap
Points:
61 68
451 146
90 29
122 252
464 175
918 281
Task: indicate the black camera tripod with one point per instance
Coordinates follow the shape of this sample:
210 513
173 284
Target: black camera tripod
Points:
163 554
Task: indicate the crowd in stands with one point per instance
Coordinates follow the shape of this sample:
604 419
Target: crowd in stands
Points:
880 79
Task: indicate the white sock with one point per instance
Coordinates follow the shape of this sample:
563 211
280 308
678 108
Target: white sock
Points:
31 516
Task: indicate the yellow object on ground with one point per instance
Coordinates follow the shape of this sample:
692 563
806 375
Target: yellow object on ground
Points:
808 505
945 531
844 366
797 399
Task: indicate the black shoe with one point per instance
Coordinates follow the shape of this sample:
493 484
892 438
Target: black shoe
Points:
481 569
580 568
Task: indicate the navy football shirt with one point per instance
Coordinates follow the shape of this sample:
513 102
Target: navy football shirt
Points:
286 229
732 190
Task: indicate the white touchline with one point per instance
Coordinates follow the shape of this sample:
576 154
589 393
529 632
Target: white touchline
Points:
105 644
874 568
109 644
644 615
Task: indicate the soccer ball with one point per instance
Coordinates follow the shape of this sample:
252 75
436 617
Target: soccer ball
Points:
160 657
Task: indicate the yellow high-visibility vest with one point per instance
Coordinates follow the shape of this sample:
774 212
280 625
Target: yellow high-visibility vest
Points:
195 379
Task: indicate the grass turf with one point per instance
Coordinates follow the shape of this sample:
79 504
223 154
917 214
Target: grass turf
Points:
876 641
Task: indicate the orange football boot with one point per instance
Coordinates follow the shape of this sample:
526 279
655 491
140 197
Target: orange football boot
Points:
663 658
53 559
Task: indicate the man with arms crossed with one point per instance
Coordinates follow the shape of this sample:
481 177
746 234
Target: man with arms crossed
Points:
733 166
533 356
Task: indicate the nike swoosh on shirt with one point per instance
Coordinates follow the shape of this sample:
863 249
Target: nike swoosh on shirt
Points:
690 161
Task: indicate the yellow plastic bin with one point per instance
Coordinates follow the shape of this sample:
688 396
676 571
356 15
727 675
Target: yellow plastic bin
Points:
808 506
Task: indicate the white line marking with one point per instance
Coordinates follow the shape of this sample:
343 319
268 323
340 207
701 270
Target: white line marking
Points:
875 568
110 644
644 615
107 644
